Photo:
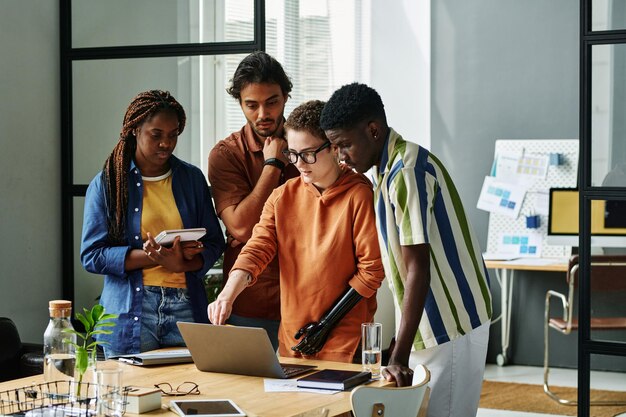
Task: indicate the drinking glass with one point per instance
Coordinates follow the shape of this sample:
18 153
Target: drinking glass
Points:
110 393
371 347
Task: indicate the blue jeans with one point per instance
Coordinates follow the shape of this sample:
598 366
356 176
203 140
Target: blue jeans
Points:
270 326
162 307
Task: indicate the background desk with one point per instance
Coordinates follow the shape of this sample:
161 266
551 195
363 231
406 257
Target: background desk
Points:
246 391
505 272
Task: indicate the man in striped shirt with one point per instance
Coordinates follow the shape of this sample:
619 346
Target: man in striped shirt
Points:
431 258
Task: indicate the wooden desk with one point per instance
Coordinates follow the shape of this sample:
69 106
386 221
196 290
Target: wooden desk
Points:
505 273
246 391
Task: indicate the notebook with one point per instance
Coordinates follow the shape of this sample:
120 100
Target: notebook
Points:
235 350
334 379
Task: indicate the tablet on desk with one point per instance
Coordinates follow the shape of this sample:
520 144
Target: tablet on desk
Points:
206 408
166 237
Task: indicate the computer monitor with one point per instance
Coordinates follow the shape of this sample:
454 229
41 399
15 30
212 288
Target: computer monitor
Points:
608 220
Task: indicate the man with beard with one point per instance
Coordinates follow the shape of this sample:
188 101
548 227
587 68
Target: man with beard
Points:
244 169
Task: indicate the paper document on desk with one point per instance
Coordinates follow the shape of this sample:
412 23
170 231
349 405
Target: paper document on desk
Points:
291 385
163 357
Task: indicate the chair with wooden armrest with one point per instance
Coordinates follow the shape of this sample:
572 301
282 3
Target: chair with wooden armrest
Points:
393 401
608 274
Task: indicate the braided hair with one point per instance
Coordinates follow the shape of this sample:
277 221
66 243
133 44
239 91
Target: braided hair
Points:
115 172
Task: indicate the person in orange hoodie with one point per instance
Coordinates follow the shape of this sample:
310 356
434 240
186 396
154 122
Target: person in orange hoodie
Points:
322 227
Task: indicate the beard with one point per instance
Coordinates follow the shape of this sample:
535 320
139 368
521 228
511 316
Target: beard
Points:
267 131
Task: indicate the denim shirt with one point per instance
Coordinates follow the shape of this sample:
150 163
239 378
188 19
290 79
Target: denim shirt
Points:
123 290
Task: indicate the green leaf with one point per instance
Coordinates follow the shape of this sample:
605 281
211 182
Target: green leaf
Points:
101 332
82 336
70 342
71 331
89 319
96 313
92 319
84 321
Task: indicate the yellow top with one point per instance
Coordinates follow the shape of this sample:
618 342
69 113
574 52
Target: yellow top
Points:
160 213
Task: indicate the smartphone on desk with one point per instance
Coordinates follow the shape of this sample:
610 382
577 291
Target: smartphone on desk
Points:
166 237
206 408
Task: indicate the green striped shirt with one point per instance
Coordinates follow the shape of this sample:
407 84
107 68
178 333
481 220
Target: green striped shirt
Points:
416 202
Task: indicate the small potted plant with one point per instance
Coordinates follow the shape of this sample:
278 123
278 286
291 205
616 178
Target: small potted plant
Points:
94 321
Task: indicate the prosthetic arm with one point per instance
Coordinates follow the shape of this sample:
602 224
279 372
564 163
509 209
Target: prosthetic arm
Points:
316 333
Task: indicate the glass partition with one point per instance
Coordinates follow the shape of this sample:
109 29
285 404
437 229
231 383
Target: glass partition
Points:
608 271
97 23
608 107
608 15
607 375
198 83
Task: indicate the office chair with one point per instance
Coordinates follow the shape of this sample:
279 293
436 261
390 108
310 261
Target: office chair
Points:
608 274
392 401
17 359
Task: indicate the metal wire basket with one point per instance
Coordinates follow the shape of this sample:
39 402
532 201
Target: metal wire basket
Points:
54 399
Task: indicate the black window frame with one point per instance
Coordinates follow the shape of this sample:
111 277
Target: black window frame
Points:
586 345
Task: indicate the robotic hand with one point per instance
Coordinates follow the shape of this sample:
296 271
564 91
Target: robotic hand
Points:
316 333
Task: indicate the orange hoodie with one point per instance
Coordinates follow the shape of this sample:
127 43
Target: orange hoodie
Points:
325 243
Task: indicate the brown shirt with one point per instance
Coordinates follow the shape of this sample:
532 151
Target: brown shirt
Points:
235 166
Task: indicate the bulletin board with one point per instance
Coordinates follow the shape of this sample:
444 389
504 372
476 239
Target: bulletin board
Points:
565 174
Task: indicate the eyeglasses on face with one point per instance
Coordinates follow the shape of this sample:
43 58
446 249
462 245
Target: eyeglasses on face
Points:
309 157
186 388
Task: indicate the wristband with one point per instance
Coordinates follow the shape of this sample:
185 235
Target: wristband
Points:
275 162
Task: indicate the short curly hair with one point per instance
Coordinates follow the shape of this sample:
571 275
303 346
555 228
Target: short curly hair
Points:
258 68
350 105
306 117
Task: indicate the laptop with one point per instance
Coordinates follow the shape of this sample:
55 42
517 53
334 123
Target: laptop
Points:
161 357
236 350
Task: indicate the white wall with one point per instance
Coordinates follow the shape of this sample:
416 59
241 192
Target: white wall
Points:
400 72
30 180
400 62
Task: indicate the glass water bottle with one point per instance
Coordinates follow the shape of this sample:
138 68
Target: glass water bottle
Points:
59 356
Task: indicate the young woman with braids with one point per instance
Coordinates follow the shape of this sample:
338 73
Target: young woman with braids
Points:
143 189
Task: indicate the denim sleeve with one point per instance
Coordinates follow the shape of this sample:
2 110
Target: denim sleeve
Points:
214 239
96 254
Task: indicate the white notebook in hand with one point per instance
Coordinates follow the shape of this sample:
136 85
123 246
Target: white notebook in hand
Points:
166 237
